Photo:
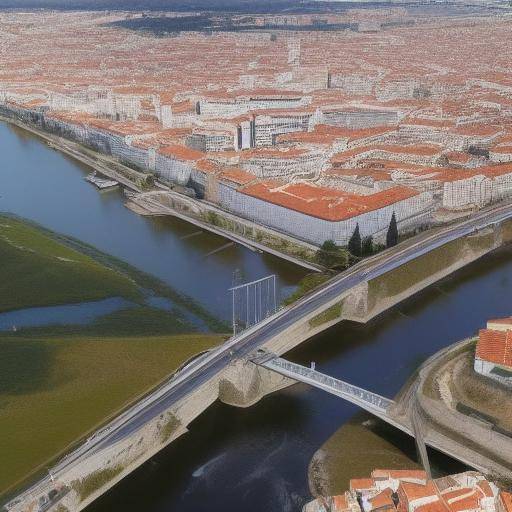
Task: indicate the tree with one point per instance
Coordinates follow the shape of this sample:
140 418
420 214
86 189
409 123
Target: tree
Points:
354 244
326 255
367 246
392 234
330 255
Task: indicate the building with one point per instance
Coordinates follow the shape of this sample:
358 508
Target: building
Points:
411 491
493 355
316 214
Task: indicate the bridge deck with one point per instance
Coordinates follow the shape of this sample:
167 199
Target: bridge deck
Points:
372 402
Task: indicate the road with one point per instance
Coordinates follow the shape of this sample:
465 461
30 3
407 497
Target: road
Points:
246 343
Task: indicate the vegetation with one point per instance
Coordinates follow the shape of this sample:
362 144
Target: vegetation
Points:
261 236
48 384
95 481
51 376
367 248
355 244
326 316
99 269
368 444
392 234
171 425
331 256
306 285
207 23
39 271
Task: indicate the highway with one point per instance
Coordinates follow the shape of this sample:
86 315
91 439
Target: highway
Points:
246 343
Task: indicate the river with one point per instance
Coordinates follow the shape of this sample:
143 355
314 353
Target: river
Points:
251 459
42 184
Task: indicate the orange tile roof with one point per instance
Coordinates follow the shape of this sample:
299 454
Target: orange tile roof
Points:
495 347
327 134
325 203
237 176
427 122
413 491
360 484
506 500
476 129
284 154
485 488
181 152
434 506
339 503
503 321
417 474
383 500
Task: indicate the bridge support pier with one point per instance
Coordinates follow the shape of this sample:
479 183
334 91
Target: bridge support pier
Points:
245 383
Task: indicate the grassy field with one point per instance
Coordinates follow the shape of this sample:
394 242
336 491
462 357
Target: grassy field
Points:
54 390
59 382
355 450
39 271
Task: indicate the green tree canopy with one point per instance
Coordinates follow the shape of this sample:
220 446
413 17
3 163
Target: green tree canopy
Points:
367 248
330 255
392 234
354 244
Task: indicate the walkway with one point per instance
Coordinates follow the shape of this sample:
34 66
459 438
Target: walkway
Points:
371 402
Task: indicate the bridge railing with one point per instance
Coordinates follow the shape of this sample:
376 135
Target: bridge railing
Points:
351 391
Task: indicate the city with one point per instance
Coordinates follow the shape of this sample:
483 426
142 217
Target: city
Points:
238 188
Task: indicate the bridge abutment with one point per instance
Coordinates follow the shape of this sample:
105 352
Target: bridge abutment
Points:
245 383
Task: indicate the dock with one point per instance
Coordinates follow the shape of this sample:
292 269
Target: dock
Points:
101 183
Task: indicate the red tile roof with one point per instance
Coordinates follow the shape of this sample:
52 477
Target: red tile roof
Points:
495 347
360 484
506 501
181 152
383 500
325 203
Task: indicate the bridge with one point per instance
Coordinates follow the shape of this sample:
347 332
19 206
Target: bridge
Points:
367 400
371 402
406 415
228 374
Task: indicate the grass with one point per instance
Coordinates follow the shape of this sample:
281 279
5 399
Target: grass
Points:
355 450
95 481
55 390
132 321
328 315
39 271
39 265
170 427
306 285
60 382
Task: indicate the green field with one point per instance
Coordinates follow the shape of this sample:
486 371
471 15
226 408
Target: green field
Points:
37 270
57 383
53 391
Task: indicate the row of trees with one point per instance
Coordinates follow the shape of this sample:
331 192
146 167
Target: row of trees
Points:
332 256
364 247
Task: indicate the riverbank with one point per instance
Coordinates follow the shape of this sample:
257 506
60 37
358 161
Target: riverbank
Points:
211 217
360 445
61 381
42 254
